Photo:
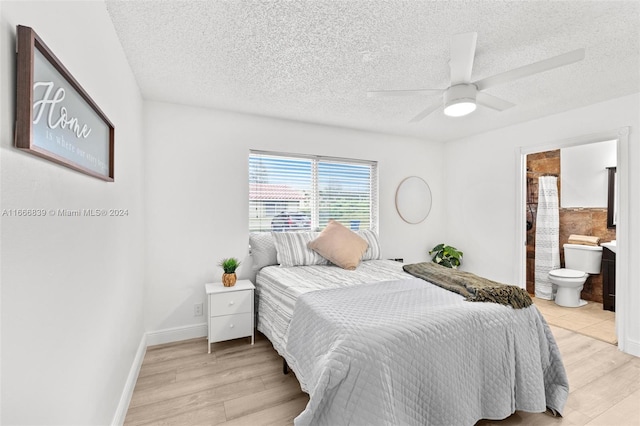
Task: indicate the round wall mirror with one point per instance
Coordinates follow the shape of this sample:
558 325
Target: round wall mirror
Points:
413 199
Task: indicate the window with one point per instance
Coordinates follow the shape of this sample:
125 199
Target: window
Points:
296 192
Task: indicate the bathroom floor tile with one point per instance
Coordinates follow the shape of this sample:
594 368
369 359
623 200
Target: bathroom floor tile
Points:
604 330
571 323
590 320
584 317
546 310
593 310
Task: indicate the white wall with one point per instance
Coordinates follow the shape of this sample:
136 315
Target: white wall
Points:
72 287
73 299
197 197
482 211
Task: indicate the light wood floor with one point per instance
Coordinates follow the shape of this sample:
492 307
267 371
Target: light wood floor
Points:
240 384
590 319
237 384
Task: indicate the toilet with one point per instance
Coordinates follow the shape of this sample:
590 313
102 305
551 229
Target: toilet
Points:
580 261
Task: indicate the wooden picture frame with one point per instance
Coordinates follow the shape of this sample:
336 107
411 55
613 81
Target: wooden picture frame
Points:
55 117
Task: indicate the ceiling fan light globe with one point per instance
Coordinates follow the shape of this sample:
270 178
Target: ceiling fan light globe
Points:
460 108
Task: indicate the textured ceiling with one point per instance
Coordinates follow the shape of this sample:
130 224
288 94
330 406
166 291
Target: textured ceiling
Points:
314 61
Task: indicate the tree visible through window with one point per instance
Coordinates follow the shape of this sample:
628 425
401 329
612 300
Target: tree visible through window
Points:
297 193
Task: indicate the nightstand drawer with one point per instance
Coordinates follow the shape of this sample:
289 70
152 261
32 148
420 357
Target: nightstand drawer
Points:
230 327
233 302
231 313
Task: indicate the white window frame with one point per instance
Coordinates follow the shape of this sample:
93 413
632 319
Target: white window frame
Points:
315 160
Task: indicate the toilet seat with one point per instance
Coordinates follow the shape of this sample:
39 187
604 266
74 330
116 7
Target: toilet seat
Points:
567 273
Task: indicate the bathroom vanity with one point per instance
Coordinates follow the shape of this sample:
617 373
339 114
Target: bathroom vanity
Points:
608 278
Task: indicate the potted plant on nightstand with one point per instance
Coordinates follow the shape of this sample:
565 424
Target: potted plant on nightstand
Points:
229 266
447 256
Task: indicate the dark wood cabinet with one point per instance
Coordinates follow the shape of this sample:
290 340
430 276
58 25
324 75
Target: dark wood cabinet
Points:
608 280
531 272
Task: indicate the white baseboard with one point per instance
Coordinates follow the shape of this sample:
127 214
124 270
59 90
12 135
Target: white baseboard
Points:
176 334
632 347
152 338
132 378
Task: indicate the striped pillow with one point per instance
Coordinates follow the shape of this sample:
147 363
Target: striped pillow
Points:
373 252
293 251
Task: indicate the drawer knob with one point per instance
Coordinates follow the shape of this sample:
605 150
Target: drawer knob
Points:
231 326
231 303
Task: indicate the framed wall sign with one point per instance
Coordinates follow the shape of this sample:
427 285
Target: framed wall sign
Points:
55 118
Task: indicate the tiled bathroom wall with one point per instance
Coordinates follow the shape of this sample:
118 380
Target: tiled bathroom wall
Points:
583 221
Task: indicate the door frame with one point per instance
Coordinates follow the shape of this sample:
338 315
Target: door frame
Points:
622 226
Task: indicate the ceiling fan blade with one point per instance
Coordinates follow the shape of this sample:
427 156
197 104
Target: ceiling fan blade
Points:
381 93
425 112
527 70
463 50
493 102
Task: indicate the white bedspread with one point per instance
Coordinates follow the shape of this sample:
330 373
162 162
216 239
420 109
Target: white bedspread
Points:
406 352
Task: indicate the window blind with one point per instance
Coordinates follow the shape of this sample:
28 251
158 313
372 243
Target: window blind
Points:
297 192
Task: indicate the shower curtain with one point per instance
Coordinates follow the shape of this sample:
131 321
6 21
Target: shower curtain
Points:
547 254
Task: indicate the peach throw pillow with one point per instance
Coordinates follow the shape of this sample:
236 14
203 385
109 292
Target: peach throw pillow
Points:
339 245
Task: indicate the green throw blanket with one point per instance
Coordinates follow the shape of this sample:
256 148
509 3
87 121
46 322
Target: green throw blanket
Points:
472 287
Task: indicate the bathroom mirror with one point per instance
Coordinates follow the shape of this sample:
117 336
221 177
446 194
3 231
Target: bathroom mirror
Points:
584 175
413 199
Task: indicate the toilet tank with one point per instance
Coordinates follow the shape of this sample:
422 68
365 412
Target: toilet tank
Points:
583 258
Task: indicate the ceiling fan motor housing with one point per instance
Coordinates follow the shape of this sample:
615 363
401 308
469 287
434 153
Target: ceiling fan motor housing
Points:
460 100
460 93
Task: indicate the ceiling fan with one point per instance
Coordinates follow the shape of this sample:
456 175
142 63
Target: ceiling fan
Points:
461 97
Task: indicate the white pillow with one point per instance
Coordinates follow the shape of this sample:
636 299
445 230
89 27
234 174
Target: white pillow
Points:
263 250
293 251
373 252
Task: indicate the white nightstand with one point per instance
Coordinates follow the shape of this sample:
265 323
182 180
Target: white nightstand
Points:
230 311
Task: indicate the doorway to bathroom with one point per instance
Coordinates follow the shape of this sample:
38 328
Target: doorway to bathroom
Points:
583 210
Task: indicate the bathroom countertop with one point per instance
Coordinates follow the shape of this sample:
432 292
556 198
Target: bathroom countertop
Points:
611 245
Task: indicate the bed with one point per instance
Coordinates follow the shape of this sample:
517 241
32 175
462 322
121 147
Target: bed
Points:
377 346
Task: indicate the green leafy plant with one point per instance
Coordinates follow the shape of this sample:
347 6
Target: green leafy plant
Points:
229 265
447 256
